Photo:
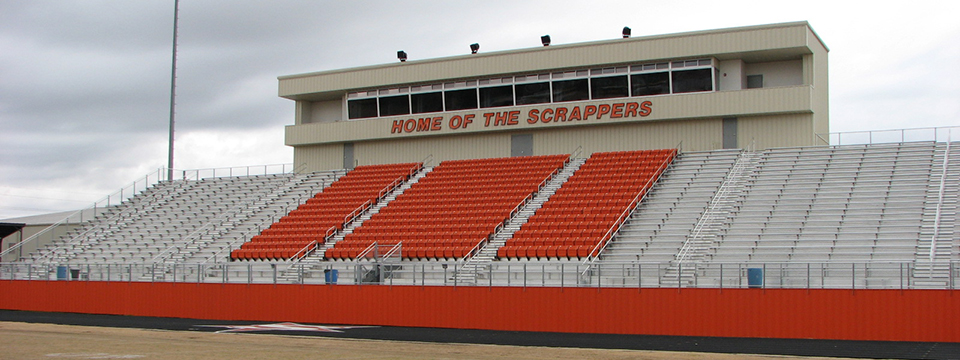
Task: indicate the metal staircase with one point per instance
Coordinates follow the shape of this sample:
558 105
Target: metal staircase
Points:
473 269
937 231
704 235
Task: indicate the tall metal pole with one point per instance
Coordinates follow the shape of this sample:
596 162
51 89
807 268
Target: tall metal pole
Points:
173 89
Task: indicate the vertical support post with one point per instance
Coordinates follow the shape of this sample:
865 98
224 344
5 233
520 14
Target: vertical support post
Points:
763 277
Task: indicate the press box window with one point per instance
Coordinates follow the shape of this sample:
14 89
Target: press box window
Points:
460 99
536 93
692 80
394 105
496 96
650 84
363 108
571 90
426 102
609 87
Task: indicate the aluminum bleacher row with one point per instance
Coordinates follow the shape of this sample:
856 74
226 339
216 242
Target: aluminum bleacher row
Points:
183 220
325 213
453 210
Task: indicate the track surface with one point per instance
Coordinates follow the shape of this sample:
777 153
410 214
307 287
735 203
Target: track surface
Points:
794 347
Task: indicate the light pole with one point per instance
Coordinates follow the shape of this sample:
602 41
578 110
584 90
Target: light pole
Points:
173 89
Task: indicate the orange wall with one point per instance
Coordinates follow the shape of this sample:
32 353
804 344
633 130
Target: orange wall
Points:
913 315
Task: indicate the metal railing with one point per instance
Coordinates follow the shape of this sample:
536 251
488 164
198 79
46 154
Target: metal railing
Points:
791 275
889 136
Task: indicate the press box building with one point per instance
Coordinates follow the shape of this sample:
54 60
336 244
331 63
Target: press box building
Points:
757 86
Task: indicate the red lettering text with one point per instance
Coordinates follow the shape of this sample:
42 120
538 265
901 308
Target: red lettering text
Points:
602 110
617 111
533 116
397 127
561 115
645 108
589 110
543 116
512 119
410 125
631 110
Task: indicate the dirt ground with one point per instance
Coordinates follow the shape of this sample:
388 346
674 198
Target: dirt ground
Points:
47 341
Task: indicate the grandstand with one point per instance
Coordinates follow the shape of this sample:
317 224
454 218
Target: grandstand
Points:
861 216
704 163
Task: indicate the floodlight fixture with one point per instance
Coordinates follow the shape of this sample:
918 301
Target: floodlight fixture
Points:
626 32
402 55
474 48
545 40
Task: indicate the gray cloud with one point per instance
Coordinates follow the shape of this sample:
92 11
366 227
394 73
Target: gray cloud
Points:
84 85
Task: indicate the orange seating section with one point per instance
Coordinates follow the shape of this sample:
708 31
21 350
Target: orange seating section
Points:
574 222
453 209
310 222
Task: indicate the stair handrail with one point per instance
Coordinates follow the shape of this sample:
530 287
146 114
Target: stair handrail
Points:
396 249
427 160
709 213
475 249
366 252
543 183
577 152
621 220
936 221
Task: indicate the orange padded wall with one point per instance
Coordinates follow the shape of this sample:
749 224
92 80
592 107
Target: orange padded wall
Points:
912 315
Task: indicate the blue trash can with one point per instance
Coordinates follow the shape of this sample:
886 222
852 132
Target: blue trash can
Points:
330 275
755 277
61 273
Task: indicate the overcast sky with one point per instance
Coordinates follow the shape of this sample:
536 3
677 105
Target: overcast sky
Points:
84 85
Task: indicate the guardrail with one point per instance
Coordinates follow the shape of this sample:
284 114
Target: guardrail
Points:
889 136
833 275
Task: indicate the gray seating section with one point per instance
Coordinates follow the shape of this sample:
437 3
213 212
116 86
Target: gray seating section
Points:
185 220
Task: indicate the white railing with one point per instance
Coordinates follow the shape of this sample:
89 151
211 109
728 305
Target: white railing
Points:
833 275
197 174
888 136
936 222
